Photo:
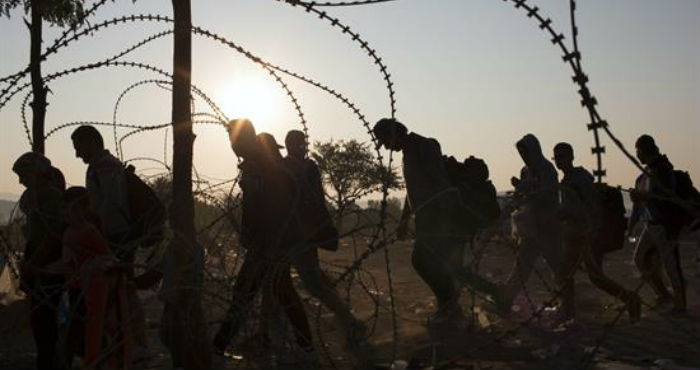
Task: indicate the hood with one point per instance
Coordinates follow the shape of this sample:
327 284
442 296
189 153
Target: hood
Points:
532 147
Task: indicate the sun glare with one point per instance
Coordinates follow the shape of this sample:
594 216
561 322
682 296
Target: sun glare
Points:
252 99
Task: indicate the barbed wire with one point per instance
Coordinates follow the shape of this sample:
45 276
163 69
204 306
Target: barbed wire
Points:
340 3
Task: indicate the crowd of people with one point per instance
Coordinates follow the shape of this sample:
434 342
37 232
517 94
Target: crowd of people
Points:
81 241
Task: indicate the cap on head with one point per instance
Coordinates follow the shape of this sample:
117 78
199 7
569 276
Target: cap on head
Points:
647 144
563 150
89 135
31 163
268 141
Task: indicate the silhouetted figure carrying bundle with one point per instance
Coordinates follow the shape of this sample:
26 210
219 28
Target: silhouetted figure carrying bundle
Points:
434 201
591 229
269 228
40 202
655 223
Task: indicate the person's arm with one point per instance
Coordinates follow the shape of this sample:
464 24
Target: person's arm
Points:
402 229
46 227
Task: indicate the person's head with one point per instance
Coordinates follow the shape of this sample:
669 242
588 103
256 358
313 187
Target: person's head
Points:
295 141
529 149
269 145
646 149
476 169
29 167
390 133
564 156
75 204
241 134
88 143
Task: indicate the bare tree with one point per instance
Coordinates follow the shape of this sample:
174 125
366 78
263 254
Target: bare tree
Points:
56 12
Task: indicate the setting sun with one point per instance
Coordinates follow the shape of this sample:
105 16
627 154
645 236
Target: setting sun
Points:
250 98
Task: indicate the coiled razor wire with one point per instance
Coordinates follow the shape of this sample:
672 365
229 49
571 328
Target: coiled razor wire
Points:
587 99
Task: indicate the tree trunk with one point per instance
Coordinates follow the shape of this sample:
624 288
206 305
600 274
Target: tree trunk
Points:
38 89
188 340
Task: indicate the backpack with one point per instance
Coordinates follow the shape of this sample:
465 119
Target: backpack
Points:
612 223
476 191
685 190
147 212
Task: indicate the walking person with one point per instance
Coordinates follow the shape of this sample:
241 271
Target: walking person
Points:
535 221
106 184
317 231
653 224
437 255
582 217
42 231
92 269
268 229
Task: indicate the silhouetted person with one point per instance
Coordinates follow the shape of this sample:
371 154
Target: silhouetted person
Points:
535 221
653 223
317 228
269 229
92 270
40 203
109 200
580 213
434 201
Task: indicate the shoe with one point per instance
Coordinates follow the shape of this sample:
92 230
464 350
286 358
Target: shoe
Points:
220 343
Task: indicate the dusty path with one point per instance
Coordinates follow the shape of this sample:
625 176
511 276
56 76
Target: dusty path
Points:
491 343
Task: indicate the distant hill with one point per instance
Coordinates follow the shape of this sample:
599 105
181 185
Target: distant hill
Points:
6 207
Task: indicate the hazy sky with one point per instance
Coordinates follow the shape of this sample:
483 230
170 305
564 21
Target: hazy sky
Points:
474 74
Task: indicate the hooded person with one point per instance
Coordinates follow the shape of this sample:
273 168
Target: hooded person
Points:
653 225
535 220
42 231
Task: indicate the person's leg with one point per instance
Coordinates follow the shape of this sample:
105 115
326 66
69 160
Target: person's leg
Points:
246 287
573 252
647 260
44 305
671 261
288 299
431 262
96 296
522 268
593 261
318 285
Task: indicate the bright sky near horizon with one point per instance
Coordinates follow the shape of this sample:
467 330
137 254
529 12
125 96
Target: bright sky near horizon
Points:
476 75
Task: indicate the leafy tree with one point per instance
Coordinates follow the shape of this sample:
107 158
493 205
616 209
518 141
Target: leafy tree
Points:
57 12
350 172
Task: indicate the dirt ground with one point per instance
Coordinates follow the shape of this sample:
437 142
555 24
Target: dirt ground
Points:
601 339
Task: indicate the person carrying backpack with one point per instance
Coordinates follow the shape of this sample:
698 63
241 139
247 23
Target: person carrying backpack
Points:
654 224
107 187
434 201
584 216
